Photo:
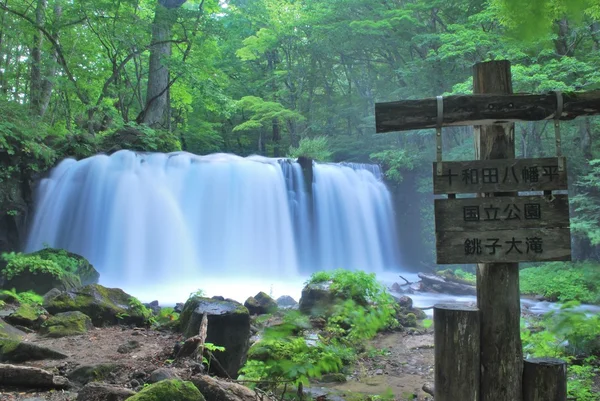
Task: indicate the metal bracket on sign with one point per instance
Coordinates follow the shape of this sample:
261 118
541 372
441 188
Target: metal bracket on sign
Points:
438 133
557 115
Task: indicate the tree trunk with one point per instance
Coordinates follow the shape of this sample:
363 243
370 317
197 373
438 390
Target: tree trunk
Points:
545 379
165 17
276 137
498 284
35 86
585 134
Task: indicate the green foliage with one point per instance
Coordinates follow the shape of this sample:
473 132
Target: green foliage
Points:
313 148
292 352
17 263
25 298
566 334
198 293
137 308
141 138
166 315
559 281
394 161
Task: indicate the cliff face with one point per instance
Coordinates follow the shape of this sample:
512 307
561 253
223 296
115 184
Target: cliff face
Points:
15 207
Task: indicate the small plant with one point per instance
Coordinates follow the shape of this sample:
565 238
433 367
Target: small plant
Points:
198 293
27 297
166 315
138 308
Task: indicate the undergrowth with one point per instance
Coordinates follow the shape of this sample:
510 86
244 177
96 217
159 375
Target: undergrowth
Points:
292 352
572 335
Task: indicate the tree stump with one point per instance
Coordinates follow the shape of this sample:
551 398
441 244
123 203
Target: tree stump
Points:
457 349
544 379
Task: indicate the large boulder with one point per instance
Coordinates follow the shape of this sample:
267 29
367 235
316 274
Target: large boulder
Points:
317 299
169 390
285 301
49 268
228 326
67 324
17 351
260 304
105 306
214 389
103 392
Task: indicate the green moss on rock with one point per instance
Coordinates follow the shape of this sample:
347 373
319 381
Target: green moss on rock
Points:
17 351
67 324
169 390
9 332
105 306
26 315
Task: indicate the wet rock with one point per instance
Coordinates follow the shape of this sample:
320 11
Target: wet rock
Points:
128 347
50 295
228 326
105 306
78 272
285 301
169 390
161 374
17 351
103 392
317 299
404 302
407 320
29 377
89 373
396 287
67 324
260 304
219 390
9 298
7 331
178 307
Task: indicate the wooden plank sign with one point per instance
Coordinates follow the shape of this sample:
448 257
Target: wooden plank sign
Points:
502 213
503 246
504 175
503 229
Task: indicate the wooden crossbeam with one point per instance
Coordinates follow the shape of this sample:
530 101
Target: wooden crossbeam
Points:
483 109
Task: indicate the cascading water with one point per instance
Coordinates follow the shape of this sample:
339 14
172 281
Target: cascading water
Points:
181 217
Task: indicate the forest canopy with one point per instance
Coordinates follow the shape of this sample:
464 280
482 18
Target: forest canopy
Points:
287 77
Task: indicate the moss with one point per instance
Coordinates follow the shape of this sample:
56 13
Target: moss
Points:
26 315
9 332
169 390
67 324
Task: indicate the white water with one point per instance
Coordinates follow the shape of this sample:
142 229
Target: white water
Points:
164 225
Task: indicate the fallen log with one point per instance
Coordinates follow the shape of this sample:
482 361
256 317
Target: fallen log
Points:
30 377
435 283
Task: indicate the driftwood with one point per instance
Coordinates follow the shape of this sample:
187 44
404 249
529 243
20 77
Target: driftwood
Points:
483 109
435 283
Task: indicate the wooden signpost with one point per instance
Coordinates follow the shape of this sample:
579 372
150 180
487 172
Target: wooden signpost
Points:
494 227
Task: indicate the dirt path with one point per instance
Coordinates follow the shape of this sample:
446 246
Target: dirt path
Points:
398 362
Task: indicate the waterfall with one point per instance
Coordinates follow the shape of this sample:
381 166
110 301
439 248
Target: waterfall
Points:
162 216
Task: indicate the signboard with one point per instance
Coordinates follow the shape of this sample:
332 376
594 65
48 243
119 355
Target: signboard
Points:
512 175
503 246
503 229
502 213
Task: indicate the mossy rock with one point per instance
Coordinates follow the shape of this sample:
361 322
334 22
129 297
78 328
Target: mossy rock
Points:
169 390
85 271
261 304
318 299
228 326
105 306
91 373
408 320
9 332
73 272
67 324
26 315
17 351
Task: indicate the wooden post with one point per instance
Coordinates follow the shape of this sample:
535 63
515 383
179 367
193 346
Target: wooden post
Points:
544 379
457 349
498 283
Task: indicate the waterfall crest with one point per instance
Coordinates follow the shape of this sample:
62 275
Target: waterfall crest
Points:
156 216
